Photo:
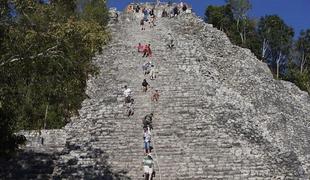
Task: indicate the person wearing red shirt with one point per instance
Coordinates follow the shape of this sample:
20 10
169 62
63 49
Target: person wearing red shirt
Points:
147 51
140 48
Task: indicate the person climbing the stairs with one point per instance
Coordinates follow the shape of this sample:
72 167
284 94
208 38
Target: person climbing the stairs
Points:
152 22
145 13
153 17
146 67
148 167
147 121
147 140
170 41
155 96
153 72
140 47
145 85
127 93
147 51
151 13
142 24
129 9
130 108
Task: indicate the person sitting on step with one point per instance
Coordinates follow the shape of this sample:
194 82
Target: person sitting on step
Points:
129 9
155 96
164 13
175 11
145 85
137 9
127 94
184 7
147 140
148 167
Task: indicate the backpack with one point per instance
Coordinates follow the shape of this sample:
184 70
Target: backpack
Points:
144 83
144 67
148 118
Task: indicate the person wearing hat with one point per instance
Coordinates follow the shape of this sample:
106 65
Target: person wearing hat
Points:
148 167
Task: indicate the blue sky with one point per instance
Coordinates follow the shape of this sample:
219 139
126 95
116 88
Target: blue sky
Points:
296 13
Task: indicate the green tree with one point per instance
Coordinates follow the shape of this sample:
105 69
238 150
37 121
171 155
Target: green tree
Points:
303 47
219 16
45 60
67 7
300 79
239 9
95 10
252 40
222 18
276 35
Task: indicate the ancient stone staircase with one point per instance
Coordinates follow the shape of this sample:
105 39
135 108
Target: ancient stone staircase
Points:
221 115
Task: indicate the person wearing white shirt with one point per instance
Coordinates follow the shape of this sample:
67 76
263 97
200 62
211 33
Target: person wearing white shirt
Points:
148 167
127 94
147 140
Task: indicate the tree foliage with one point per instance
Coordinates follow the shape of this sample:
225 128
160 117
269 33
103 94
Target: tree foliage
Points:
299 72
270 39
239 9
45 60
96 10
301 79
272 29
278 34
242 33
220 16
303 47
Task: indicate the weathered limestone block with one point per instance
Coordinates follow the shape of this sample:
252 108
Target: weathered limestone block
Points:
46 140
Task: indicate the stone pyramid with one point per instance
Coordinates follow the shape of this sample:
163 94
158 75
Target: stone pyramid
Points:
221 114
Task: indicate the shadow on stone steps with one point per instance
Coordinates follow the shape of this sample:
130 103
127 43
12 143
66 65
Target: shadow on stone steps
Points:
32 165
